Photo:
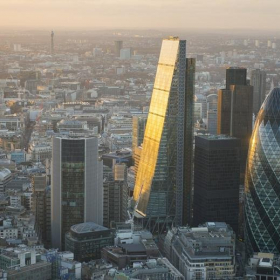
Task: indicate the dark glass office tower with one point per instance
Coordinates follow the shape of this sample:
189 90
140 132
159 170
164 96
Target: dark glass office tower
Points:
235 111
258 81
77 193
236 76
262 182
224 111
216 180
188 143
161 188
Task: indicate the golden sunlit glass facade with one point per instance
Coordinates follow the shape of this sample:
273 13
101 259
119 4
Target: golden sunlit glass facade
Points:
155 124
160 177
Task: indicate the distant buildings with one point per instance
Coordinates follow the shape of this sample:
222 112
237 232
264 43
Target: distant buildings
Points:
77 194
206 252
162 165
118 47
86 241
138 131
262 183
258 81
52 42
125 54
216 180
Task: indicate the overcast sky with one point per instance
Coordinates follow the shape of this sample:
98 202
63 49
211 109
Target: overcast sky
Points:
98 14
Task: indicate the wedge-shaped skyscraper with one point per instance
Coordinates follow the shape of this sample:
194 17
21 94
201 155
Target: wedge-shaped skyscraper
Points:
262 181
163 182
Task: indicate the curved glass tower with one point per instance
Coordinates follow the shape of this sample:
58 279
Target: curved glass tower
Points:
262 182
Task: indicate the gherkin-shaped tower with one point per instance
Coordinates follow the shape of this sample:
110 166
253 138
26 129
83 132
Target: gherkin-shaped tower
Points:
262 182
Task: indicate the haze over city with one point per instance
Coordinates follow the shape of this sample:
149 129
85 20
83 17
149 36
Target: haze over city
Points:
151 14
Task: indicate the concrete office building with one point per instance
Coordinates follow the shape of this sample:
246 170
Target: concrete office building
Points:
77 193
206 252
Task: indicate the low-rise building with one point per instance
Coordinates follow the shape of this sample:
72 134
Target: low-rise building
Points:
263 266
206 252
86 240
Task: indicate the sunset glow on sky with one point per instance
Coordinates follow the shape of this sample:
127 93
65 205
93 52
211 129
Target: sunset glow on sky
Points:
188 14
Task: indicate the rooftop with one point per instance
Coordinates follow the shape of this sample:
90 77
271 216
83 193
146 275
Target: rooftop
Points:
87 227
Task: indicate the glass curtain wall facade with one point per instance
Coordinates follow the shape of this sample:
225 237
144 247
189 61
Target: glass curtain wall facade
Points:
159 187
153 165
262 181
73 183
77 185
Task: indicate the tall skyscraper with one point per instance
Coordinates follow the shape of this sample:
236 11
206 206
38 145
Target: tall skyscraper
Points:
258 81
77 185
188 145
262 182
216 180
52 42
236 76
161 186
118 47
235 111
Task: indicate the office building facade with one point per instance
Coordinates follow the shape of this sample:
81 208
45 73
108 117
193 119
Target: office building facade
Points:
115 195
77 193
206 252
160 188
42 208
236 76
216 179
86 240
235 111
258 81
262 183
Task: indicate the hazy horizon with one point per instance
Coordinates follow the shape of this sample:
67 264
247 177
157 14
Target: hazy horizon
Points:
152 14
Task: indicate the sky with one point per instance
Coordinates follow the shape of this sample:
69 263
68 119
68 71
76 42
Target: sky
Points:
142 14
